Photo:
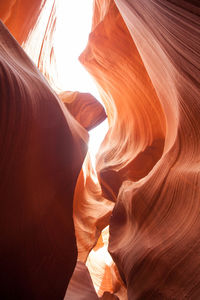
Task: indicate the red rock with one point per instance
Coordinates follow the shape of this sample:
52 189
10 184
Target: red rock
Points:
84 108
144 56
42 149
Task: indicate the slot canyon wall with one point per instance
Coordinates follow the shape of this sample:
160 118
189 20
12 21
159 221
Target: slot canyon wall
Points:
59 215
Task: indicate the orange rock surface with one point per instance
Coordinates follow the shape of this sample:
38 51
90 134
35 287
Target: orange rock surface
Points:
149 79
84 108
20 16
145 59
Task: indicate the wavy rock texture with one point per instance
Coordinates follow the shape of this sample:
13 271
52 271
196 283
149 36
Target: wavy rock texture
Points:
20 16
144 57
37 261
42 149
150 85
137 125
81 286
33 25
84 108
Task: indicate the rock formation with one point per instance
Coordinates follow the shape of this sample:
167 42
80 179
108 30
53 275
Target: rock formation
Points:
42 150
144 56
151 78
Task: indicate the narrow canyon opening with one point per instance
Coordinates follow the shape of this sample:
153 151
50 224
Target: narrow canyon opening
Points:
132 188
66 30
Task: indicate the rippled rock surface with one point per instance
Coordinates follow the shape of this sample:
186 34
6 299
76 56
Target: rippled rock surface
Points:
145 59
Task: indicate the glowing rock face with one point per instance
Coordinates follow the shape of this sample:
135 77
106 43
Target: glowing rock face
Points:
20 16
81 286
151 90
84 108
144 56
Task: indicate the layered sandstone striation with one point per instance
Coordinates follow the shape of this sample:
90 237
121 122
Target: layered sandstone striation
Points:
39 138
149 162
59 214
